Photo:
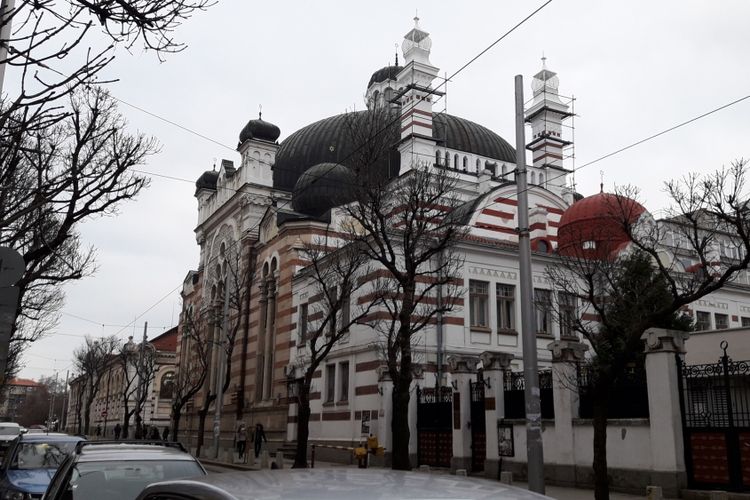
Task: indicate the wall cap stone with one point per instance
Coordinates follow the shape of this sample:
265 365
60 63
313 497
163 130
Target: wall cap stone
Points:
493 361
567 350
462 364
663 340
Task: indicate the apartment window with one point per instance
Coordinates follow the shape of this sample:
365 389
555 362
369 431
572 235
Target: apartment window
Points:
745 321
346 315
543 305
702 320
333 295
506 307
330 383
302 328
568 314
478 291
344 381
722 321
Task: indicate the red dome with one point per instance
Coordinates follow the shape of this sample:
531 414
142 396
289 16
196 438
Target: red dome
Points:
593 226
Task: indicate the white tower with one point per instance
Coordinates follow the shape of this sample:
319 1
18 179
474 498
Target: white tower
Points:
547 115
416 96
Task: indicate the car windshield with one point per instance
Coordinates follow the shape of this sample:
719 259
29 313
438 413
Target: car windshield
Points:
9 431
126 479
42 455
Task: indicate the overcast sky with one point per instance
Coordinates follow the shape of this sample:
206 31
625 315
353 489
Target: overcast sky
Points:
635 68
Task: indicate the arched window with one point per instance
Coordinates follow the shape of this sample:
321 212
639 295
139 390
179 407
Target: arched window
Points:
505 170
533 177
166 388
466 163
455 161
437 157
447 160
478 163
541 179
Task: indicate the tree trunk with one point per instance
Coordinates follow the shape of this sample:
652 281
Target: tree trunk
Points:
303 427
175 423
86 417
601 476
202 423
400 426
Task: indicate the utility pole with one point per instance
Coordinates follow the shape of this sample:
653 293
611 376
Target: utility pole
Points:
6 10
219 401
52 404
139 387
534 450
64 416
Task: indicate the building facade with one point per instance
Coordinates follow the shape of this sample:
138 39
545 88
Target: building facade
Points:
286 194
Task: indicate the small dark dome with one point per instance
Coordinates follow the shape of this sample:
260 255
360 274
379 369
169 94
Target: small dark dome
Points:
322 187
207 180
260 129
383 74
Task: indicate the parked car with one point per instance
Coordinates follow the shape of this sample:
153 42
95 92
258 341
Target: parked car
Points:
31 462
8 432
334 484
120 470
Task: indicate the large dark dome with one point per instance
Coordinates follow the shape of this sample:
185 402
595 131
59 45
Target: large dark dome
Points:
330 141
383 74
322 187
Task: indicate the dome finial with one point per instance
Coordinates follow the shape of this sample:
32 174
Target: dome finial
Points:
396 45
601 183
416 18
544 61
260 111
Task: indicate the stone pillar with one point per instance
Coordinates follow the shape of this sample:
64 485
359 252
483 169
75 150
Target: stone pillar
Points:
566 354
385 437
667 450
462 369
293 412
418 380
495 364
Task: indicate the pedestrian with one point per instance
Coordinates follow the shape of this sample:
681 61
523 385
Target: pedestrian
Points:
154 433
258 437
241 440
165 434
118 430
98 430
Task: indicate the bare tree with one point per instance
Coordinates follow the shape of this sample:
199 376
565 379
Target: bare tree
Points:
137 363
406 229
64 153
193 366
645 286
53 179
92 361
335 274
222 320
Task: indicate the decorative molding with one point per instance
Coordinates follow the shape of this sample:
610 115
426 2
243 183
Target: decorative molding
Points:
462 364
495 361
662 340
492 273
383 374
567 351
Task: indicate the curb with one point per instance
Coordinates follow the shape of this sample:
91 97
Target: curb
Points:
227 465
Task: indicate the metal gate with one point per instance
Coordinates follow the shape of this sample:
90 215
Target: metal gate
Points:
435 426
715 406
478 430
